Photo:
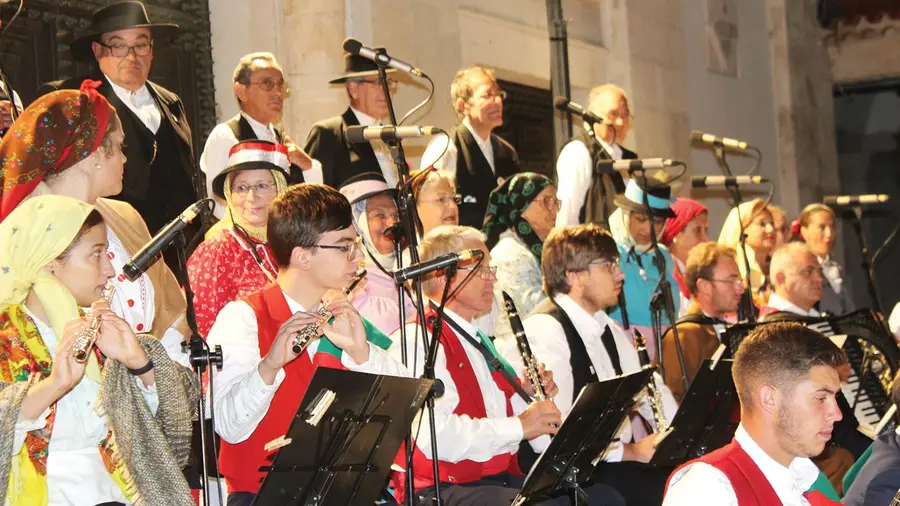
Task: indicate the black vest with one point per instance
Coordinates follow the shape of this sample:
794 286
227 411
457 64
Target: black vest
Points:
474 177
597 205
242 131
583 372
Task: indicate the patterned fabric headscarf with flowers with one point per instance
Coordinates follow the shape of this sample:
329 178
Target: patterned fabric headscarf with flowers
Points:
506 205
54 133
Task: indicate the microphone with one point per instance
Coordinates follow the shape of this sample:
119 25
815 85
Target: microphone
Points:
725 181
143 259
705 139
565 105
435 264
356 47
362 134
646 163
855 200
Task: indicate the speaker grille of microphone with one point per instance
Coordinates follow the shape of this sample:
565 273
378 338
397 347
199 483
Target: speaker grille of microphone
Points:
560 103
352 45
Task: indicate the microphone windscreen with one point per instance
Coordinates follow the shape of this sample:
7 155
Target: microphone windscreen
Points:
352 45
696 136
560 103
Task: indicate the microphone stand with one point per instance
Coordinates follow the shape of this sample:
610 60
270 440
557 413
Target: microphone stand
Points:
867 263
406 206
661 300
746 311
201 357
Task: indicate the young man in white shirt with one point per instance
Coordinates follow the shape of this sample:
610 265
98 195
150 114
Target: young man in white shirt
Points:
786 377
479 159
572 335
262 381
260 90
797 278
480 419
587 196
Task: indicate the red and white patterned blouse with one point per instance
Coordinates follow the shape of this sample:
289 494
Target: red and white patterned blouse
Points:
223 269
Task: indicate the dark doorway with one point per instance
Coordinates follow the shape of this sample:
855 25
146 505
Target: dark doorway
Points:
867 119
528 126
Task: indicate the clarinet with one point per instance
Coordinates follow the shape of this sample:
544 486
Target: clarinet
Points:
656 405
531 365
314 330
896 501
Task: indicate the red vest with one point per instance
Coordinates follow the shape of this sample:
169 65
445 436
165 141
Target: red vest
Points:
240 462
749 483
471 403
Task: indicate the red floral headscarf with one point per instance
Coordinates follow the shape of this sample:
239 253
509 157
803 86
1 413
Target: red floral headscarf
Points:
54 133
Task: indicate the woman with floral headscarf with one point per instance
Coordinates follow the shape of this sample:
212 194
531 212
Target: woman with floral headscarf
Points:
520 214
375 216
630 227
113 429
235 259
69 142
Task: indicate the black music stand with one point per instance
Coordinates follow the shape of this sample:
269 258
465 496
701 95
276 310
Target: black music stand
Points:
586 432
341 453
706 419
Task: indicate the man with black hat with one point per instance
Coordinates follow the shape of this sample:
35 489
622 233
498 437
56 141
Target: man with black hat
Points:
161 178
327 141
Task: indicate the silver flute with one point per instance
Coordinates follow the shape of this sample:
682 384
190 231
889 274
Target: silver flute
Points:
303 338
656 405
81 349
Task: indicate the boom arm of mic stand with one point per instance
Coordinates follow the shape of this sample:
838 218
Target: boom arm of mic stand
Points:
867 264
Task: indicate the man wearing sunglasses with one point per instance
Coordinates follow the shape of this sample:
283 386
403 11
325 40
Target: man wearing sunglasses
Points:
327 142
479 158
161 177
715 285
574 337
260 91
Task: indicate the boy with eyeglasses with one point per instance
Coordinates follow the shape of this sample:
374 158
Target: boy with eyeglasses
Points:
259 388
715 284
479 158
572 335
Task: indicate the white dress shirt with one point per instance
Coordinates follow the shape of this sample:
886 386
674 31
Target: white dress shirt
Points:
459 437
219 143
141 103
701 483
382 153
780 304
550 347
574 171
76 473
242 397
448 161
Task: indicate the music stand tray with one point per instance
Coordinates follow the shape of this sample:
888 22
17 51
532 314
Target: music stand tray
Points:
588 429
706 419
343 439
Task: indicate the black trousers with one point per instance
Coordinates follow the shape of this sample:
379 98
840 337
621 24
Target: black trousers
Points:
240 499
502 489
639 484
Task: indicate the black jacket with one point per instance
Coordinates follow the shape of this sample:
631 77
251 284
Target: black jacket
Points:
327 142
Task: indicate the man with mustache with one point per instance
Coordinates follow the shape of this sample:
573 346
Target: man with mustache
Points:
786 377
714 282
161 177
479 158
260 91
797 278
572 335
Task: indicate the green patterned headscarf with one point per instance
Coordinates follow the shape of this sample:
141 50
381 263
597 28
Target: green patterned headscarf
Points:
506 205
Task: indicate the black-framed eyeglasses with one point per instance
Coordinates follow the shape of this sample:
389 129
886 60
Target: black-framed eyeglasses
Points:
485 271
350 250
392 83
270 84
122 50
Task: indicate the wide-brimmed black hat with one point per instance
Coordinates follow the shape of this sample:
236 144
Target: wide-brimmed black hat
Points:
357 66
119 16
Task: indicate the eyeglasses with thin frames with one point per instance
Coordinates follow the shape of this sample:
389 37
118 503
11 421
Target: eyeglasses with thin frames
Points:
551 203
735 282
122 50
485 271
259 188
493 94
444 200
350 250
611 265
392 83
